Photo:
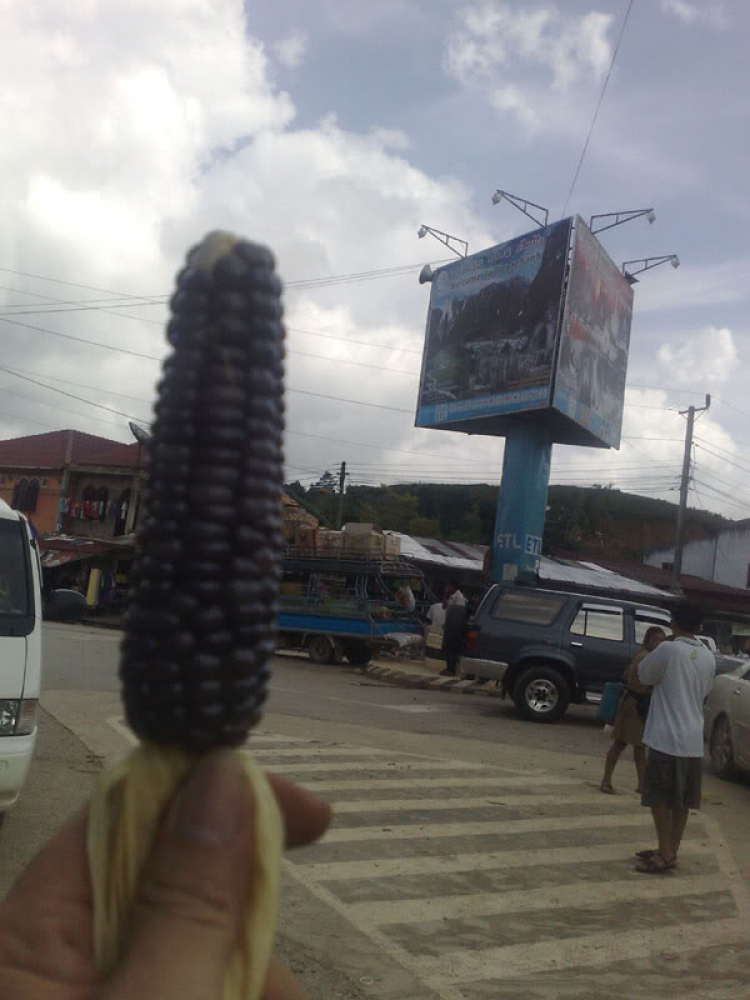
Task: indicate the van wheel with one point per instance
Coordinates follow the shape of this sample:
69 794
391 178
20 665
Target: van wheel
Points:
541 694
320 649
358 654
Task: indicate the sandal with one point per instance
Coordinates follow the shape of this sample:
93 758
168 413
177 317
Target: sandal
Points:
654 865
645 855
607 788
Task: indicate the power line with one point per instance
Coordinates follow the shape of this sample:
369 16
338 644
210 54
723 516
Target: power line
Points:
361 343
24 420
83 385
359 364
80 340
71 395
724 496
56 406
598 108
8 318
721 457
299 283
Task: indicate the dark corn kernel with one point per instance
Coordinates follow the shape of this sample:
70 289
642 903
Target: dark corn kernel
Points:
204 598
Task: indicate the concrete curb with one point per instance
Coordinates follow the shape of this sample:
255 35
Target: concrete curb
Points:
420 682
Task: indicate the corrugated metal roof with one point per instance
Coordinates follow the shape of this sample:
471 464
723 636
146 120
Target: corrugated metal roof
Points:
461 556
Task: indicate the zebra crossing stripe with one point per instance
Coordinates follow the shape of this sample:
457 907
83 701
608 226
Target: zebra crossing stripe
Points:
593 895
398 767
332 872
332 752
433 784
433 830
601 949
491 799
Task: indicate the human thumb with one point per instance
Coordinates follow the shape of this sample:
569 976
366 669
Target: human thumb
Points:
187 914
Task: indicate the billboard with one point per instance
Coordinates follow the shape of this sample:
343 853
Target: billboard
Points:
594 341
491 336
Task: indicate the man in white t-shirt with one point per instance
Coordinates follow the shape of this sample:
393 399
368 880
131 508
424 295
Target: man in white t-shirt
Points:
453 595
682 675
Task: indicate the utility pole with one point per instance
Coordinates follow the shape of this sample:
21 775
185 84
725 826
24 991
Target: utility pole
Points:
684 487
342 484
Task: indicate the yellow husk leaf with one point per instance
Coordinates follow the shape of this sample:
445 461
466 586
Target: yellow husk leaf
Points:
127 807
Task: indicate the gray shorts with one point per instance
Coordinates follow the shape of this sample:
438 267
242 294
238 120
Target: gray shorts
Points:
672 781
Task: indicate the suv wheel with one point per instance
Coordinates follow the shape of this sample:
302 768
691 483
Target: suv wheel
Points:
541 694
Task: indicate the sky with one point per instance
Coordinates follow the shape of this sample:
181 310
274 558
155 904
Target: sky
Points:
332 131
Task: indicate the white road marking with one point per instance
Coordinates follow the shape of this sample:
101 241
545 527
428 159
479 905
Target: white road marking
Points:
493 798
399 767
323 751
453 971
432 784
429 831
588 950
348 871
556 897
444 990
123 729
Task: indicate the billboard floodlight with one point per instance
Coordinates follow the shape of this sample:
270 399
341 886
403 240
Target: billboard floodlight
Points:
522 204
446 239
646 263
598 226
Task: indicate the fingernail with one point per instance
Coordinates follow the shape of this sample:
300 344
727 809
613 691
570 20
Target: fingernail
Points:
209 810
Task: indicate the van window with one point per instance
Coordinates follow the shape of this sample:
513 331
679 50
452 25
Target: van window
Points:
523 606
599 624
644 621
14 583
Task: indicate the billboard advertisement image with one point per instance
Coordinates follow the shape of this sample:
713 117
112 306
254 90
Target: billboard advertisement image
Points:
594 341
491 336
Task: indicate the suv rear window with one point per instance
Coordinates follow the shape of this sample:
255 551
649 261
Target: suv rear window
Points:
522 606
14 587
643 623
599 623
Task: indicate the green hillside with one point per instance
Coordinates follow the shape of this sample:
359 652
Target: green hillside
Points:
579 519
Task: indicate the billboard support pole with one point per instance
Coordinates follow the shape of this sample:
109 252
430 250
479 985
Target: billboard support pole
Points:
522 504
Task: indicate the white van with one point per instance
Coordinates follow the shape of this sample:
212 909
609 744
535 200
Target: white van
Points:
20 652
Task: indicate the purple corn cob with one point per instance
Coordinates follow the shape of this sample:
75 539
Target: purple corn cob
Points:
204 601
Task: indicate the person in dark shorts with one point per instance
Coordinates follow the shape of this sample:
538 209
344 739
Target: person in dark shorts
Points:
682 674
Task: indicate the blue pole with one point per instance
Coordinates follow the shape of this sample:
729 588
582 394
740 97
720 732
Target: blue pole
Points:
522 504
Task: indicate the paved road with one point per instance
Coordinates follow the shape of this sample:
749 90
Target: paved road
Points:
472 855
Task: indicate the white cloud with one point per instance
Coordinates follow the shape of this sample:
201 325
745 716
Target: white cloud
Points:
708 357
691 13
127 137
292 49
510 98
492 40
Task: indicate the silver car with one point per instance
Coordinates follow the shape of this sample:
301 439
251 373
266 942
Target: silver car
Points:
727 722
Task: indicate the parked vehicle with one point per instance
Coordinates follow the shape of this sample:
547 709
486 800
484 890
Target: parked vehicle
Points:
20 652
727 722
548 648
709 642
337 607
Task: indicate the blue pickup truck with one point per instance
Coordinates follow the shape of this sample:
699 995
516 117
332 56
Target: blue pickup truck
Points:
336 607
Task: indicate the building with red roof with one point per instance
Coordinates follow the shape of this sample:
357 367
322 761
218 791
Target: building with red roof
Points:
73 483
